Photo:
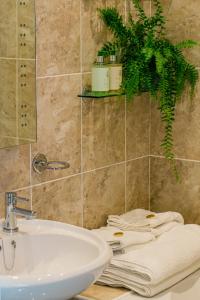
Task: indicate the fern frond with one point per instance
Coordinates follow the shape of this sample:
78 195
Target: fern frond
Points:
140 10
192 77
148 53
131 85
160 61
158 20
114 22
110 47
187 44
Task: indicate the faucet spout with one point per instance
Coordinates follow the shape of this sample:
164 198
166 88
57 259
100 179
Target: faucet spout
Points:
28 214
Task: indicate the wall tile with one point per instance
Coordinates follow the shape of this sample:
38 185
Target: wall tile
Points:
157 131
137 184
59 201
183 22
104 194
186 129
7 142
59 124
14 166
8 29
58 36
94 32
168 194
103 132
137 126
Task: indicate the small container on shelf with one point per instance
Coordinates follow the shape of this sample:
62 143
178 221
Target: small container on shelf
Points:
115 73
100 74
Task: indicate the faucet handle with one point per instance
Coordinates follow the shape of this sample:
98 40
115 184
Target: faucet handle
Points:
22 199
12 198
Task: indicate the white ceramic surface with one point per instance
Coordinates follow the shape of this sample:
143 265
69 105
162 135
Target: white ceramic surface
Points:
53 261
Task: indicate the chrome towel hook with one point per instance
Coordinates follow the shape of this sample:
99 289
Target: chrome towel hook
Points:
40 164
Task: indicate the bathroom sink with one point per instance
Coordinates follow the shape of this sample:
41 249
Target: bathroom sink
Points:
48 260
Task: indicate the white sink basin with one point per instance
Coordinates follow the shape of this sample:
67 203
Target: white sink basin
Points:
52 261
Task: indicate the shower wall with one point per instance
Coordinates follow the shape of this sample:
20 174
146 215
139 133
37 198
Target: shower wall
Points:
105 141
166 194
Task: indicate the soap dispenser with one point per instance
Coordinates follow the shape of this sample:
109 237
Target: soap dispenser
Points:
115 73
100 74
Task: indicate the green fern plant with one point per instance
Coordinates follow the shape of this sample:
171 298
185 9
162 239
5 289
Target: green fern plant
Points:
151 62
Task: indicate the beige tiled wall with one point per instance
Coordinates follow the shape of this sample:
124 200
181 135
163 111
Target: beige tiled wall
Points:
105 141
166 194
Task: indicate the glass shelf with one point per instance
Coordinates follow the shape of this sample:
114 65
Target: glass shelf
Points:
90 94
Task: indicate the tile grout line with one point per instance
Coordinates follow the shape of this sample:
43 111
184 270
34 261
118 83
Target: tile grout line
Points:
81 85
176 158
149 187
15 138
150 116
17 58
78 174
16 74
149 182
30 174
125 104
62 75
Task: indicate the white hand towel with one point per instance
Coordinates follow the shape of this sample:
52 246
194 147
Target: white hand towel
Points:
172 253
143 220
158 265
166 217
136 218
119 239
157 231
146 290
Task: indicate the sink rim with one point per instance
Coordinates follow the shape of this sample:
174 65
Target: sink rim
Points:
38 227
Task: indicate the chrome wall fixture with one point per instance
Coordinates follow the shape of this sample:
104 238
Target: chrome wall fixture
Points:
41 164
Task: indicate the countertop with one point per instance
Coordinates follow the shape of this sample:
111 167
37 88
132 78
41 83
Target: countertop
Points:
97 292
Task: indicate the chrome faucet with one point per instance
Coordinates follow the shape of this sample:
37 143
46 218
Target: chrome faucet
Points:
11 212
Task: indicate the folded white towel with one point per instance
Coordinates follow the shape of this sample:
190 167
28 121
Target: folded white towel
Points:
120 240
157 231
143 220
146 290
159 264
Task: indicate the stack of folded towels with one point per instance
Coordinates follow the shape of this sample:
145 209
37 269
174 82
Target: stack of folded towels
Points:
166 252
136 228
146 221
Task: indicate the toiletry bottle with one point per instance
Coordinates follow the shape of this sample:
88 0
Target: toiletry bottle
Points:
115 73
100 74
